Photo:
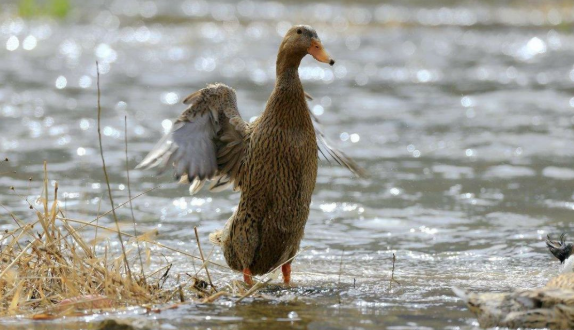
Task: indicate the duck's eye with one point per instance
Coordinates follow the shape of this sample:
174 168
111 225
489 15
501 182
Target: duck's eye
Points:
317 47
299 31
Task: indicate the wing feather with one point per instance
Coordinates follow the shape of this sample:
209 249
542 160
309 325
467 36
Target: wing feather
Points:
206 142
209 141
329 152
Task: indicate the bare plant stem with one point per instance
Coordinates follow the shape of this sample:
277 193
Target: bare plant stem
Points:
126 264
46 188
203 259
97 223
130 196
180 290
91 224
44 219
393 273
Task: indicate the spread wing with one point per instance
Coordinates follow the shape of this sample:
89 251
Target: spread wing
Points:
206 142
330 153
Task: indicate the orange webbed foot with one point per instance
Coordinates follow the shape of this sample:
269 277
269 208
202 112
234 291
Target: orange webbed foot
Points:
286 269
247 276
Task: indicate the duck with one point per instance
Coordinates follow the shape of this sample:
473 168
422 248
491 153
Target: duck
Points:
551 306
271 161
560 249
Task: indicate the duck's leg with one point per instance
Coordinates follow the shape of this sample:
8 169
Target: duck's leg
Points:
247 276
286 269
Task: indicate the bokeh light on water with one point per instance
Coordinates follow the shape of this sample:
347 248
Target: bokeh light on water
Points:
462 111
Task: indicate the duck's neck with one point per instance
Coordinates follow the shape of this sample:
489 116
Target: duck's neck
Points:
286 68
287 61
287 102
288 81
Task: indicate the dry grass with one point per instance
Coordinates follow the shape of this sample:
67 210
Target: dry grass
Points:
49 270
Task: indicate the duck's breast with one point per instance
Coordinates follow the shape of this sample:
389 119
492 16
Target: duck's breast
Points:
282 170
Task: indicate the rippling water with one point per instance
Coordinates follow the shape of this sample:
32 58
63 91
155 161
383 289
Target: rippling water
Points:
462 111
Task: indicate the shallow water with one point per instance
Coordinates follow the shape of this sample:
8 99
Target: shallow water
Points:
461 111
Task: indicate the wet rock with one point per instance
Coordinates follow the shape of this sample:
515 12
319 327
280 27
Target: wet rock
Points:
118 325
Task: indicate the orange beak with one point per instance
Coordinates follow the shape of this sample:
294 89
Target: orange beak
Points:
318 52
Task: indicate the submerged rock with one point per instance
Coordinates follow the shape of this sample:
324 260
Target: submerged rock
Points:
117 325
549 307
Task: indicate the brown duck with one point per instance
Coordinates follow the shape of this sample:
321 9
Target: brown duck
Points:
272 161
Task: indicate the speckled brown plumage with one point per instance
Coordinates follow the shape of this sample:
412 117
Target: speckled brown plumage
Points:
272 161
281 164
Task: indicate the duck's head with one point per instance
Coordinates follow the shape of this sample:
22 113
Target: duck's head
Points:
301 40
560 249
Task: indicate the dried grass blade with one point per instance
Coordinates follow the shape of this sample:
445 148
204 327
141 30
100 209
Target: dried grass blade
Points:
77 238
204 265
126 263
15 260
13 308
130 196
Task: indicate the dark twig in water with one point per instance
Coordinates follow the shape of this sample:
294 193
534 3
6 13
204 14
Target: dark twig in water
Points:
126 264
203 259
165 275
180 290
393 274
130 197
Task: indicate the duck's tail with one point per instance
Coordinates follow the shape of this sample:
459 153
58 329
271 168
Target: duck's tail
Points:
215 237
